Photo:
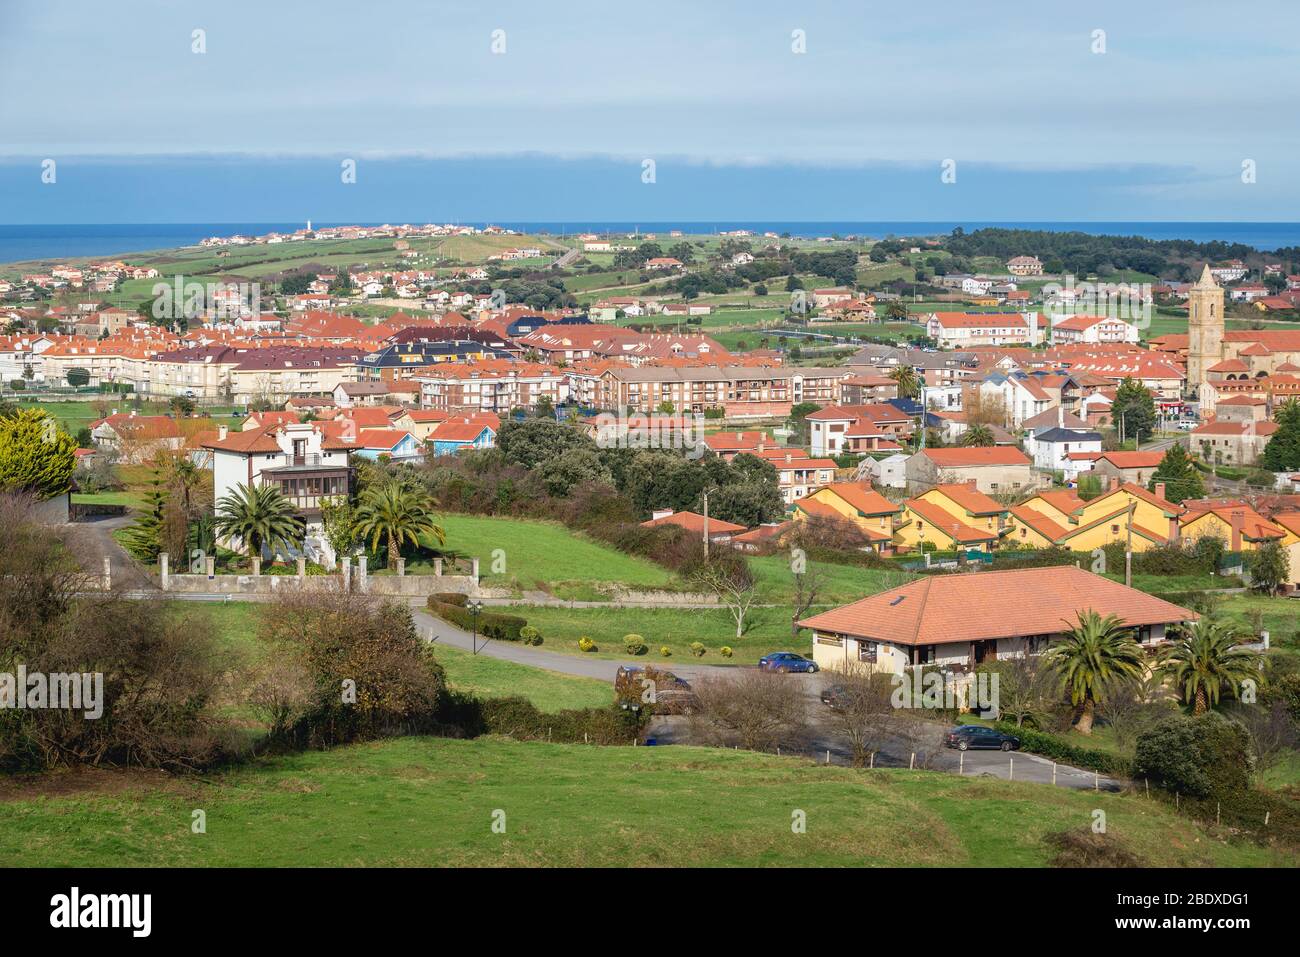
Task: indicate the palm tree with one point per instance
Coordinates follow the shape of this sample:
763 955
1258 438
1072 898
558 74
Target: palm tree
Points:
1094 654
399 513
979 435
1204 659
259 517
909 386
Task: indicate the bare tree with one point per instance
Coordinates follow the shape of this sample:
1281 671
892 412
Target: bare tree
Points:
755 709
808 585
1272 732
861 710
727 576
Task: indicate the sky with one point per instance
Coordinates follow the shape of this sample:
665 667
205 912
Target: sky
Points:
538 112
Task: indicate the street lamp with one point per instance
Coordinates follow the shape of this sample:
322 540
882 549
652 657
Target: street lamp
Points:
474 607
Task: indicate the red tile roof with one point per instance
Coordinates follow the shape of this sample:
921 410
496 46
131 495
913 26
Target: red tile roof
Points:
947 609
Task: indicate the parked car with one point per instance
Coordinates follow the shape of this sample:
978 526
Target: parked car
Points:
785 661
975 737
665 692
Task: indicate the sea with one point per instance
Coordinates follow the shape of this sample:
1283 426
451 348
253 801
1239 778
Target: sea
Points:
63 241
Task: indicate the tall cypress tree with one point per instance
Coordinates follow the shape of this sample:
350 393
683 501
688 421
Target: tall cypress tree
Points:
1282 454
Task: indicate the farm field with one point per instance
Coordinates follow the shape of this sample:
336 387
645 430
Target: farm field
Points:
431 802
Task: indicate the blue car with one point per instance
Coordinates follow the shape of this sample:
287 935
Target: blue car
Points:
785 661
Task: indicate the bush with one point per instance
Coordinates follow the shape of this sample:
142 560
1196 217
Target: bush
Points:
519 718
1204 756
725 651
586 644
635 645
1063 752
698 649
530 635
665 651
490 624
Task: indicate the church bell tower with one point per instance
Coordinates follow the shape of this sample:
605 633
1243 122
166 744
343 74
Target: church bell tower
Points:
1204 329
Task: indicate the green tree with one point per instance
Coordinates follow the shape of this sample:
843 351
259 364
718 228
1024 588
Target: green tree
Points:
1134 410
399 513
1181 478
1282 454
77 377
36 456
1270 568
1093 656
339 518
978 436
1204 659
259 517
897 310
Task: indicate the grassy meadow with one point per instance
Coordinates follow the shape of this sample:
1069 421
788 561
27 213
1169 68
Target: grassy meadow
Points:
432 802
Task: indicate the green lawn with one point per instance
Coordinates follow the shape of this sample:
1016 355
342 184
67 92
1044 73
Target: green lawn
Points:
841 583
490 677
677 628
543 553
432 802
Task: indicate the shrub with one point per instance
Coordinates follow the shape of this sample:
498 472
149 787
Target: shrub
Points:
1082 848
490 624
698 649
586 644
725 651
469 716
665 651
397 684
1063 752
530 635
634 645
1203 756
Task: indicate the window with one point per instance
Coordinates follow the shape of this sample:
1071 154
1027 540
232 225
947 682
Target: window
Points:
867 651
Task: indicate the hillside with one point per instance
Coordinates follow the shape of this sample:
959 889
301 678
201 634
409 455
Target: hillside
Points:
431 801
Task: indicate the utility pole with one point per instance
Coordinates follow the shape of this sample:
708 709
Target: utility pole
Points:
1128 550
706 524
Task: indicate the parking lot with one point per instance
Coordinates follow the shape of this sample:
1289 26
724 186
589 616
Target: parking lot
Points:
912 741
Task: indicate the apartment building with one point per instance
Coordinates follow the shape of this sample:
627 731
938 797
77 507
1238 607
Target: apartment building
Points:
740 391
494 385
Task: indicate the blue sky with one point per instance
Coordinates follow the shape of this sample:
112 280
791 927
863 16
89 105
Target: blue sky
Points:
557 127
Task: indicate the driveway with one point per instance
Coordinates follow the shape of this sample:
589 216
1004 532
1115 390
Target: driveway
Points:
94 542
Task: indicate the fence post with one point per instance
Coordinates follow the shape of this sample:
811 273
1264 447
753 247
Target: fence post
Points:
911 765
401 567
361 573
257 565
347 573
302 568
210 566
1011 769
162 569
1053 772
437 567
474 570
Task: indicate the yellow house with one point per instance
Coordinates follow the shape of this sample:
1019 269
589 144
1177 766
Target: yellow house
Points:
856 502
1062 518
419 422
1240 527
952 516
1290 523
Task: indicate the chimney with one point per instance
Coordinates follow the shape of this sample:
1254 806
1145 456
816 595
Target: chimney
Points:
222 432
1237 519
1160 490
971 483
1060 416
1114 483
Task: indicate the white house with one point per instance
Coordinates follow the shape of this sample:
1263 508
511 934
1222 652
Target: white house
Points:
306 461
1058 450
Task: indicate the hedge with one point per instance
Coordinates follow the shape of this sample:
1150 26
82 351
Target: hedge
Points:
490 624
1050 746
520 719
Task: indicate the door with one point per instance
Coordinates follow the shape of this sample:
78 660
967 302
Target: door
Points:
985 650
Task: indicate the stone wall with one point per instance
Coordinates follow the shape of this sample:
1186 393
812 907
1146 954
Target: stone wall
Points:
406 586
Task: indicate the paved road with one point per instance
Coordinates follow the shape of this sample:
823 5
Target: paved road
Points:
94 542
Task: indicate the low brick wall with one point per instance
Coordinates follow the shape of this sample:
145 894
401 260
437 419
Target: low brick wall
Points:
404 586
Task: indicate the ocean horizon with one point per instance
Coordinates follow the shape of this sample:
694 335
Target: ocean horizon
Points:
42 242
